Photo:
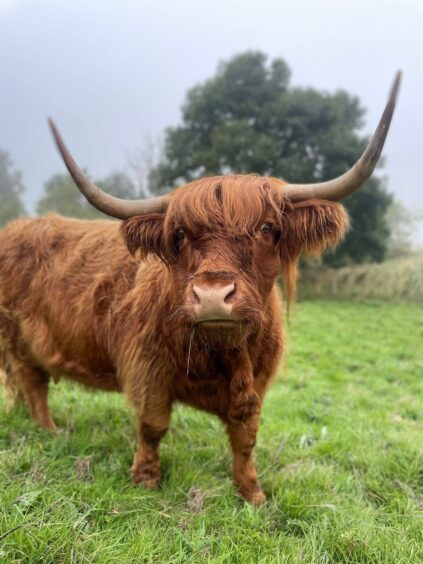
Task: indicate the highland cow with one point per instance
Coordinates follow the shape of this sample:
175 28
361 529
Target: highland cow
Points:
176 303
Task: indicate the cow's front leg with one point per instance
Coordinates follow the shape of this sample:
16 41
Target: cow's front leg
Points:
242 436
242 425
153 423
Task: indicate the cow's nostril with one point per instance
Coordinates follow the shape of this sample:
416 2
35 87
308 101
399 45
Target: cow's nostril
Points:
197 294
230 294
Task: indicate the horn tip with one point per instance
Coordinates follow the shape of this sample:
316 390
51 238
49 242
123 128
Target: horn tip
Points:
53 127
396 84
56 136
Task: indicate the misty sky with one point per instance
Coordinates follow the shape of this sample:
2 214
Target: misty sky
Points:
112 72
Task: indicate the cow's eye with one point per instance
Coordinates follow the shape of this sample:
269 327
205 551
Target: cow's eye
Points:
266 229
179 234
178 237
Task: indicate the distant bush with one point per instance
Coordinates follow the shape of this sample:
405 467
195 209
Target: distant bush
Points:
399 280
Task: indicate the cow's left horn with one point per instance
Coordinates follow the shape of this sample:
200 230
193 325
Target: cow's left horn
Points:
115 207
350 181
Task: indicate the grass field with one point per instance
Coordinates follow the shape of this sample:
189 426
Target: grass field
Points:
340 455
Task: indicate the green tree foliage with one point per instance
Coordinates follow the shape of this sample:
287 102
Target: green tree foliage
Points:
404 225
118 184
11 189
62 196
248 119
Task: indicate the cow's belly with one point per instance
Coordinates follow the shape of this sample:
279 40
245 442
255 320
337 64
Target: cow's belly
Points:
84 362
98 379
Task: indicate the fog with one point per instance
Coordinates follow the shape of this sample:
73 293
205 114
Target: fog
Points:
111 72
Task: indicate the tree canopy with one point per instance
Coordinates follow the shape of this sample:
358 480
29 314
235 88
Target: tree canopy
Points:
11 189
248 119
62 196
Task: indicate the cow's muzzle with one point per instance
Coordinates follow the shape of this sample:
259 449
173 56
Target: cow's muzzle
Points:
213 303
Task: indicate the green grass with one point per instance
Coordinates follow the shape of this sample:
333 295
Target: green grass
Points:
340 455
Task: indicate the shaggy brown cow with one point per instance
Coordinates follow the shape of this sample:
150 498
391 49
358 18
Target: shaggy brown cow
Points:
191 313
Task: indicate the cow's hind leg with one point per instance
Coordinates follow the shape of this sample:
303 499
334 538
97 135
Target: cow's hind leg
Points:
31 383
13 394
23 380
8 339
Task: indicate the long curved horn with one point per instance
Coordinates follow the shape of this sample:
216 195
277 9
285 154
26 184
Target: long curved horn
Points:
344 185
115 207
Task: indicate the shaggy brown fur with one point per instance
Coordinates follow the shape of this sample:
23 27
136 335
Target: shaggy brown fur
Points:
75 303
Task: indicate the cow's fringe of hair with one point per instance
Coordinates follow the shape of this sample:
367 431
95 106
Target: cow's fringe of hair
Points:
233 203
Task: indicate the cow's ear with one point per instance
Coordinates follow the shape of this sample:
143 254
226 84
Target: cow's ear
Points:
312 226
144 234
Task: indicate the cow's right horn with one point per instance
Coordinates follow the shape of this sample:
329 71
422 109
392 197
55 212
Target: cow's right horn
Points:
351 180
115 207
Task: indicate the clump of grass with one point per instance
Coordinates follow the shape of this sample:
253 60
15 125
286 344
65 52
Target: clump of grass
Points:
398 280
339 455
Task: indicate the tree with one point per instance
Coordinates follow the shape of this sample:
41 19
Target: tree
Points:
118 184
11 189
61 195
248 119
404 225
143 163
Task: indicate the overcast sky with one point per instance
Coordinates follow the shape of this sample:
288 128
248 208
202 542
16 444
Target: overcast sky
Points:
112 72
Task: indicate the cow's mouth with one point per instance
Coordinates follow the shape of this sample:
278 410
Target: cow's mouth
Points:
219 323
216 327
221 332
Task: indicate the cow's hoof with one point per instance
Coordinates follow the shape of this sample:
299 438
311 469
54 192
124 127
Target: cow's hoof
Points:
256 497
49 425
146 476
151 484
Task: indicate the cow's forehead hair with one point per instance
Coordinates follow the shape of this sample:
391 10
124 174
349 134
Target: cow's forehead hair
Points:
234 203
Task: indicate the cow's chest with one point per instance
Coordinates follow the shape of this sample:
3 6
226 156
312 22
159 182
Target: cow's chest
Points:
204 386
